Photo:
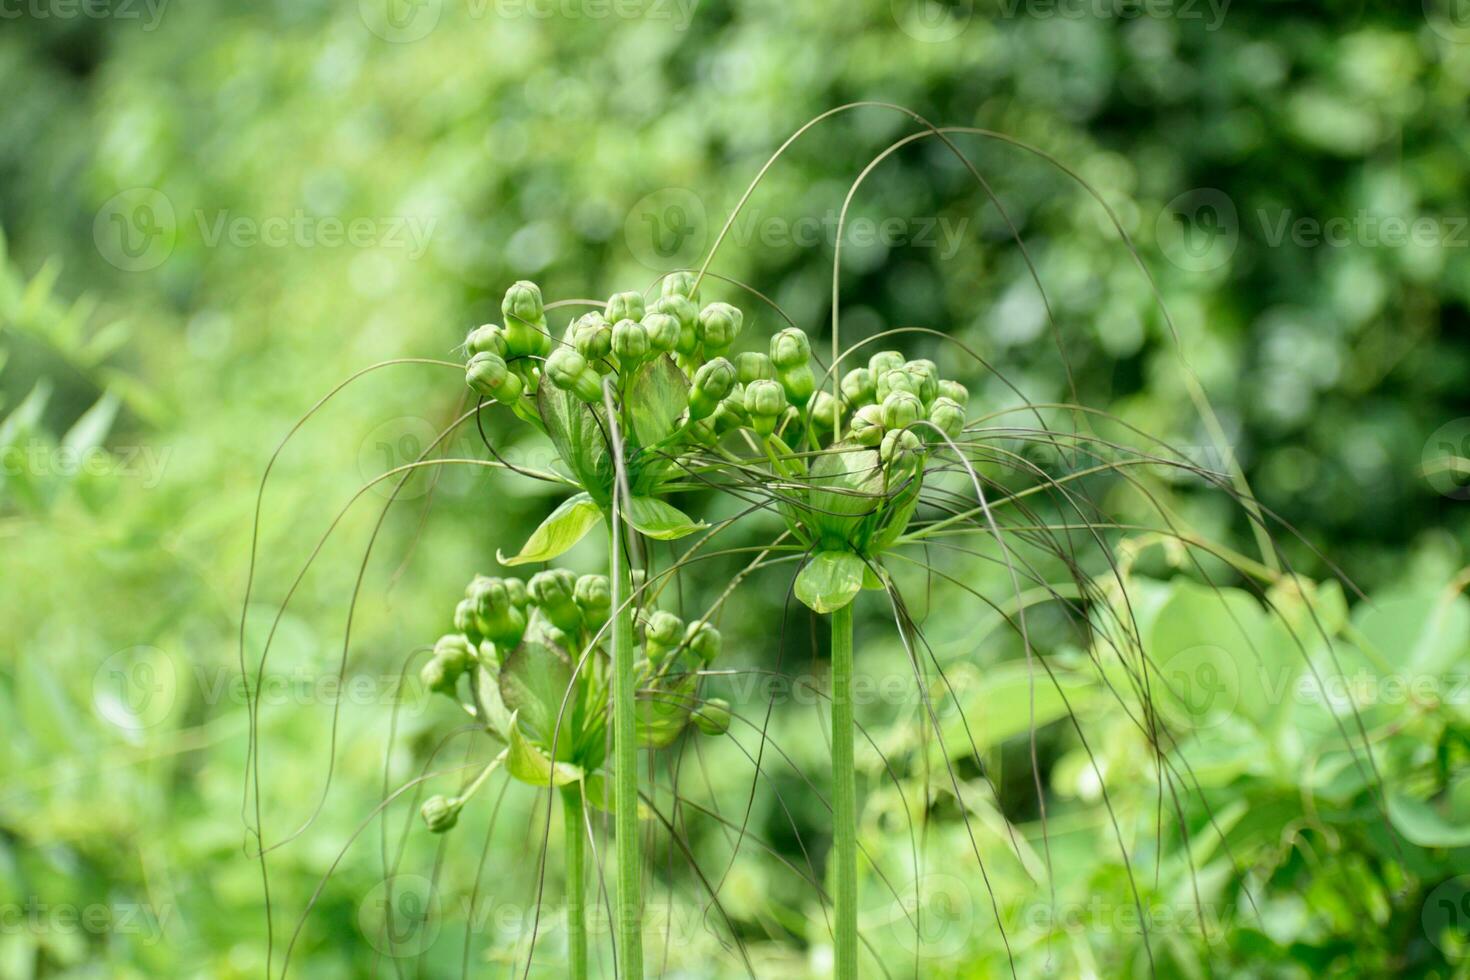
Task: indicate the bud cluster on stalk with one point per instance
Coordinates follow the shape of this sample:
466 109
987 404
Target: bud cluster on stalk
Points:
529 659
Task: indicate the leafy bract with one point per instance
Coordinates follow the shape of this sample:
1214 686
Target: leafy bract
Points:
566 525
579 440
655 401
534 683
658 520
830 580
530 765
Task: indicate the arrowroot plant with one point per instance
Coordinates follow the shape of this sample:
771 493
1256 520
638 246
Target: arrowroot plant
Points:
1009 527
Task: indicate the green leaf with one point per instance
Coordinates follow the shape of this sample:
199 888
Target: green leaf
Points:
658 520
92 428
657 399
1422 824
534 679
579 441
530 765
1005 702
1219 655
567 525
498 717
830 580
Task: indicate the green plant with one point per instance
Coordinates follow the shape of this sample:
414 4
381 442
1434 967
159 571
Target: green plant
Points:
529 663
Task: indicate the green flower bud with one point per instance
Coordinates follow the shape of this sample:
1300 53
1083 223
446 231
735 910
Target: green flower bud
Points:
927 374
568 370
898 380
624 306
901 409
754 366
704 641
713 716
525 320
731 413
464 618
661 634
486 339
799 383
948 415
899 446
456 651
553 591
764 401
487 375
712 383
867 425
681 284
592 337
884 360
719 325
686 311
823 410
630 342
516 589
955 392
662 330
593 595
497 617
790 349
436 677
858 387
440 813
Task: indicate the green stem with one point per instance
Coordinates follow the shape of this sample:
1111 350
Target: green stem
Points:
844 797
571 797
625 770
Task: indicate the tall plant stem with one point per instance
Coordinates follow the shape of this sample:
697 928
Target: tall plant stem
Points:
571 797
625 767
844 797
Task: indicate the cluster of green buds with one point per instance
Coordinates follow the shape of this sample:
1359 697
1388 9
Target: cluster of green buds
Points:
775 394
503 360
668 675
518 642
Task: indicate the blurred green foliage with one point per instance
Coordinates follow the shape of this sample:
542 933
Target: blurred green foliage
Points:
214 213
